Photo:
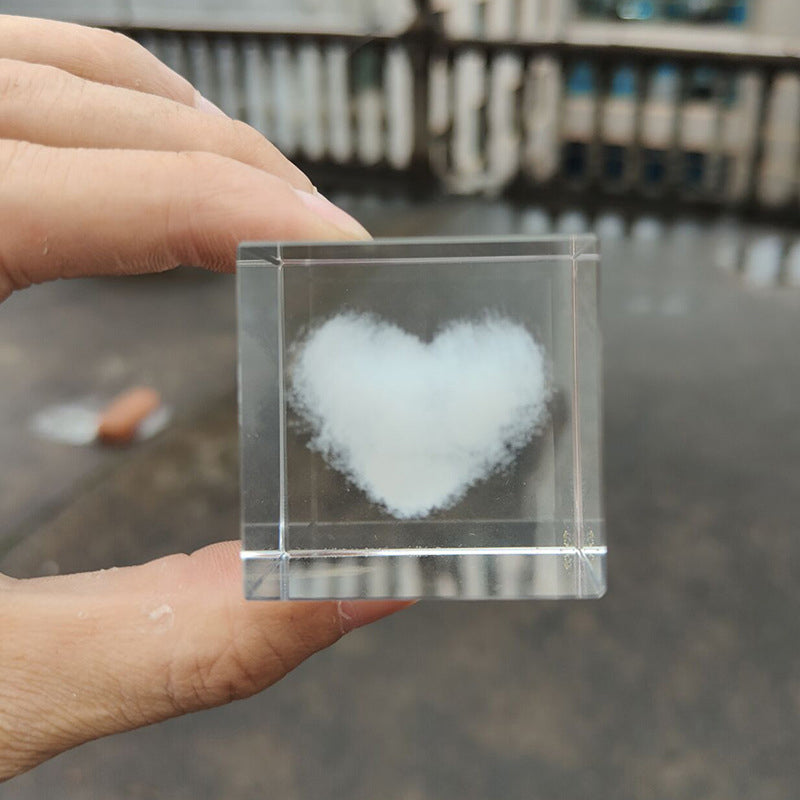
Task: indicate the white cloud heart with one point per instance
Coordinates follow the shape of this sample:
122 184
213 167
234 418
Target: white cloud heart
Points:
415 424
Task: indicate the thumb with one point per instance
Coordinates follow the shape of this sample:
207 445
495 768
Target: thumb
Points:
84 656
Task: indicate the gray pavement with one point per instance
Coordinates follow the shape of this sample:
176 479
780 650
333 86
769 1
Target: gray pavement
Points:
684 682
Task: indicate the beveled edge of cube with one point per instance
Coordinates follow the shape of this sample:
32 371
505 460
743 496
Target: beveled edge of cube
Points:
557 246
250 252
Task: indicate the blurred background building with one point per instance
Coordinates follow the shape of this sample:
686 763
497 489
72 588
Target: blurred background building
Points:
691 101
585 110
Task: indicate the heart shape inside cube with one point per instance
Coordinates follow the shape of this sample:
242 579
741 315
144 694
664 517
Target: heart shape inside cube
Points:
415 424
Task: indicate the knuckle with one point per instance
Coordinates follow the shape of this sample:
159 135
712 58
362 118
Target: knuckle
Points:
204 681
22 81
116 56
234 138
130 52
206 179
228 677
12 152
113 46
19 161
202 190
213 178
14 78
246 135
200 161
254 148
133 65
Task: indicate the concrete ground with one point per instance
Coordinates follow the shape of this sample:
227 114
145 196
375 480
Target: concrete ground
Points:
683 683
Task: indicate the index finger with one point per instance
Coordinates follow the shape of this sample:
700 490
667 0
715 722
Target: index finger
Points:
67 213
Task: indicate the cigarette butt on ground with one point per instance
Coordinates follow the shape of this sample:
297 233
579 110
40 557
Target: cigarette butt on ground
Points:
120 419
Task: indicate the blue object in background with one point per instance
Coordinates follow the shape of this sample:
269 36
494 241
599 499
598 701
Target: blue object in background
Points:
701 88
620 114
582 79
720 12
737 13
701 83
664 81
636 10
623 82
581 87
662 97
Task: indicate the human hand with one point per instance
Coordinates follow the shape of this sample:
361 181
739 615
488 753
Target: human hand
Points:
110 163
84 656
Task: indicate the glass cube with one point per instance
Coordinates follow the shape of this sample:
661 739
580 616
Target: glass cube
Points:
421 418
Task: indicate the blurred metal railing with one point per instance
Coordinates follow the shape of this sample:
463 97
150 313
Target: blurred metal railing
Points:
575 123
605 122
339 99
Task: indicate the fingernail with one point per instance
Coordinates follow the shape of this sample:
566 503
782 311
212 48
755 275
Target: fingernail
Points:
206 106
323 207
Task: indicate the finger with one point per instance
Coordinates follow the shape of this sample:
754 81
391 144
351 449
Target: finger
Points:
46 105
66 213
92 53
85 656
